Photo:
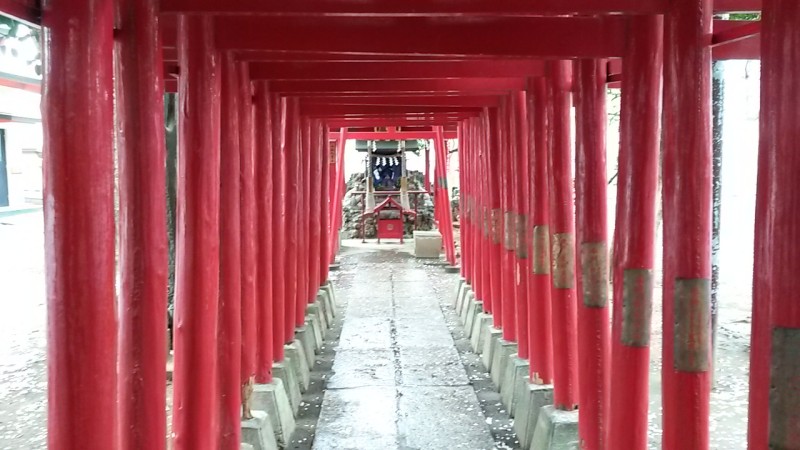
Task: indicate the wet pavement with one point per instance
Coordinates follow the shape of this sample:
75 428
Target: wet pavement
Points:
398 380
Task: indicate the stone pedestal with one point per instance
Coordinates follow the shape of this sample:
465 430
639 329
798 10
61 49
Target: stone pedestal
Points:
492 336
480 328
459 288
500 359
427 244
475 308
534 398
556 430
273 399
468 303
516 369
287 375
258 433
317 333
462 298
296 356
305 337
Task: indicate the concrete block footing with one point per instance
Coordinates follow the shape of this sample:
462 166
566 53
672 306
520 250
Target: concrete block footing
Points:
492 336
258 432
556 430
465 307
462 297
284 371
331 296
474 309
296 356
317 332
516 369
305 337
535 397
316 309
500 359
480 326
324 301
273 399
459 288
246 447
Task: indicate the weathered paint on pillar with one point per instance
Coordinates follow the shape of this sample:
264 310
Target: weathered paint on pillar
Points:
540 310
79 225
266 242
143 240
304 147
775 367
635 233
591 217
249 217
195 418
279 271
521 186
229 333
686 371
564 314
315 167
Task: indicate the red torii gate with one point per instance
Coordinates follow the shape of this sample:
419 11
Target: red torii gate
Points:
508 59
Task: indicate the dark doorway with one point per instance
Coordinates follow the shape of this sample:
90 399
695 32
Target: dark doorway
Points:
3 170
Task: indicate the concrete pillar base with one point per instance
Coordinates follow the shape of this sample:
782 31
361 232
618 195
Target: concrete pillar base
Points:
480 327
328 286
283 371
492 336
459 288
305 336
474 309
452 269
258 432
313 324
296 356
246 447
317 311
556 430
535 397
462 297
462 315
500 359
516 369
273 399
324 302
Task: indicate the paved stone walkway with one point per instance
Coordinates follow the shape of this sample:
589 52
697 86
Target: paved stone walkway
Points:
398 380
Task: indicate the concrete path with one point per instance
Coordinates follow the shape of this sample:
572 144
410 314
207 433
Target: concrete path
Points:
398 381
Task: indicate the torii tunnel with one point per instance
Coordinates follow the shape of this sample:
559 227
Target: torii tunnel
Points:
268 91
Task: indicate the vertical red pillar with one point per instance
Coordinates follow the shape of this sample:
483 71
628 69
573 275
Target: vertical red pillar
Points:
279 270
463 204
337 185
522 242
774 394
591 218
446 220
195 421
565 343
427 169
315 162
540 321
485 210
143 245
249 218
507 179
635 234
79 225
266 242
292 201
494 173
304 133
686 372
229 331
328 163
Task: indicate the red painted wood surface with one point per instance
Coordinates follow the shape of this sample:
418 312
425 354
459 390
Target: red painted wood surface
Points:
195 421
540 321
635 235
229 332
494 174
328 163
774 369
316 154
249 216
79 226
446 221
482 175
592 253
562 230
463 209
303 145
686 372
266 244
292 200
279 271
521 182
506 182
142 238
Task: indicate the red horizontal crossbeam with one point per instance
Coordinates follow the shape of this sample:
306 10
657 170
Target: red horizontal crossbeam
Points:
388 122
328 110
391 136
547 37
395 70
434 7
426 100
400 86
